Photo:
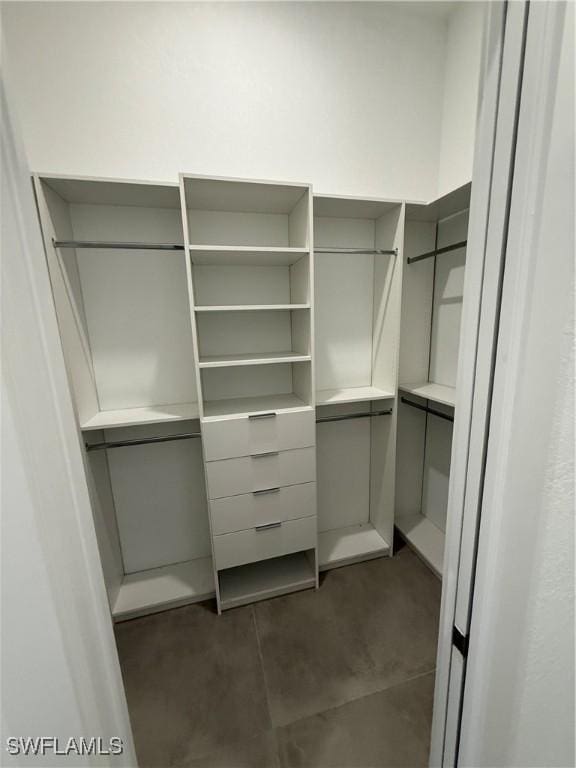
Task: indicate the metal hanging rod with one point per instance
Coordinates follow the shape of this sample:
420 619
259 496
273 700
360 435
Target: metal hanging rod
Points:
125 246
426 409
347 416
437 251
141 441
380 251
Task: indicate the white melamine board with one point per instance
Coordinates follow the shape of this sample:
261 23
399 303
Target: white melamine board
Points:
238 229
387 300
231 408
299 221
349 545
444 206
136 308
226 194
437 471
343 233
269 578
152 414
162 588
241 285
56 222
225 333
383 473
94 191
160 500
343 473
219 255
301 331
338 206
343 320
252 307
249 381
417 292
252 358
104 514
436 393
424 538
409 460
303 382
351 395
300 281
448 294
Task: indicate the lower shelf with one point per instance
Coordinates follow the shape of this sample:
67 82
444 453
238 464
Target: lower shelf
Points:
350 545
167 587
424 538
243 406
150 414
268 578
351 395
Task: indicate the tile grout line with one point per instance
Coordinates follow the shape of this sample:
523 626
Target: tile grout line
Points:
266 690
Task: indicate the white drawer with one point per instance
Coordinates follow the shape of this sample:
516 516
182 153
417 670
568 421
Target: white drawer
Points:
261 433
256 544
236 513
232 477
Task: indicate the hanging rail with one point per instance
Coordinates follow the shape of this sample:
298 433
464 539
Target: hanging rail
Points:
125 246
437 251
378 251
347 416
141 441
427 409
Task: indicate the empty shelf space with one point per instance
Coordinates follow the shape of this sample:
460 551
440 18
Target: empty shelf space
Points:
259 256
268 578
250 307
160 588
437 393
260 358
245 406
349 545
150 414
424 538
351 395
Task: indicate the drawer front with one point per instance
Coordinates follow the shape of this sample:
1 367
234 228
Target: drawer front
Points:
253 545
237 513
262 433
232 477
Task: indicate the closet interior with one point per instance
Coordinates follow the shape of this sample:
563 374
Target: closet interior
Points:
264 379
432 295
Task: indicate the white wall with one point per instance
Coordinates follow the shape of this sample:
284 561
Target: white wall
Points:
348 96
461 83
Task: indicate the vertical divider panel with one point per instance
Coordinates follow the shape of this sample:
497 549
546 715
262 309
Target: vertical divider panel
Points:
386 354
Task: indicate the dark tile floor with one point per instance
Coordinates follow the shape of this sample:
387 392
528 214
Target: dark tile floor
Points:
341 677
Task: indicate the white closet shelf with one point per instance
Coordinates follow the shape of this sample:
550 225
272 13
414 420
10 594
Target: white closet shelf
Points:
355 543
247 406
438 393
351 395
260 358
249 307
161 588
229 255
149 414
268 578
424 538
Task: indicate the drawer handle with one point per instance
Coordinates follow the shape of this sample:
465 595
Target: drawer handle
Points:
267 527
261 455
264 491
270 415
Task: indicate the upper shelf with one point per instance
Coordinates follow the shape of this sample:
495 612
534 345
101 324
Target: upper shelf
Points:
150 414
225 255
437 393
249 307
351 395
451 203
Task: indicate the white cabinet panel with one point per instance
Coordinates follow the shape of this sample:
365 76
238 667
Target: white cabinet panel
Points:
249 435
236 513
231 477
256 544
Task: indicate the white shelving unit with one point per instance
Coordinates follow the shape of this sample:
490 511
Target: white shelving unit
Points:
250 279
431 309
358 268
